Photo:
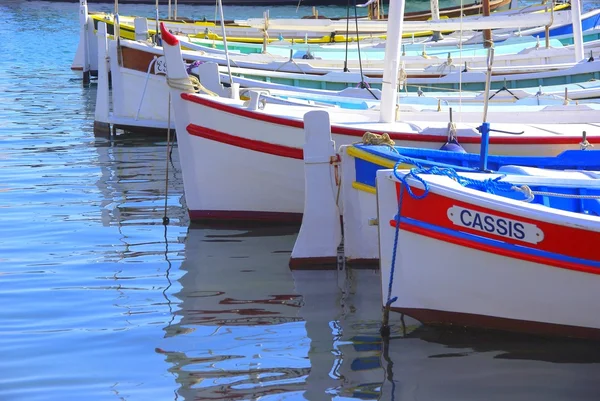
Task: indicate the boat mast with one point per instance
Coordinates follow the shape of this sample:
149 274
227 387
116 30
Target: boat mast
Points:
225 43
577 33
157 27
391 61
434 6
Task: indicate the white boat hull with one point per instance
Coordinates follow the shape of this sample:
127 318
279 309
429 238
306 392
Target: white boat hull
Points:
444 277
268 141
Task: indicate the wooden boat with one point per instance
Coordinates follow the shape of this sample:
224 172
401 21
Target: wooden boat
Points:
86 56
139 93
359 164
304 30
263 143
449 12
138 97
525 238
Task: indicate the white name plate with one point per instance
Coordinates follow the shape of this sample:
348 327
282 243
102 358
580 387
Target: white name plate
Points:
496 225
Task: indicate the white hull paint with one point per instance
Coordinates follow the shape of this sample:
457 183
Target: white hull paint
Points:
460 283
229 122
275 129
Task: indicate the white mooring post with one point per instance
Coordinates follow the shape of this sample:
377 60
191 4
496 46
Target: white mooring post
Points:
101 116
321 232
83 40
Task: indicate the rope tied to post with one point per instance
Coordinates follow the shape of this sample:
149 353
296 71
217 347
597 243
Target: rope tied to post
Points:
189 84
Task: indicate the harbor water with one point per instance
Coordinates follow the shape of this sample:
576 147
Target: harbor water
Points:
101 301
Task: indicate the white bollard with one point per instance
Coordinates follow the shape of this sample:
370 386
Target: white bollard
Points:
320 233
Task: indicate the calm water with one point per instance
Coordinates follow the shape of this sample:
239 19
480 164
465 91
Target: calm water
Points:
100 301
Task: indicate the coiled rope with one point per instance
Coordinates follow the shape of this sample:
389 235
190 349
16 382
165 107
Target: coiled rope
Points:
489 185
371 138
190 84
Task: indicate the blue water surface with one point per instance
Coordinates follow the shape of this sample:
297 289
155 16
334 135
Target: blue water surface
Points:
100 301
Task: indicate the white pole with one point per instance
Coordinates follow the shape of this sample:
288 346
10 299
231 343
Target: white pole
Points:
225 42
391 61
101 114
83 40
157 26
434 5
169 10
117 29
577 33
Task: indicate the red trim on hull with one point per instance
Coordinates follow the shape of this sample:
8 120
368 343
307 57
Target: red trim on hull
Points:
496 250
444 318
574 242
244 216
250 144
400 136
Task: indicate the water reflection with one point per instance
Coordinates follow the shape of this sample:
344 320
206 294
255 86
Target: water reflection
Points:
248 327
431 363
138 179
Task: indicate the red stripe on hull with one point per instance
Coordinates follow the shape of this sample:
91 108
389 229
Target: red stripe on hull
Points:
444 318
245 216
560 239
250 144
496 250
400 136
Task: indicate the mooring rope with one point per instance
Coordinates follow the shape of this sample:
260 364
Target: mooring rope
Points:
489 185
189 84
371 138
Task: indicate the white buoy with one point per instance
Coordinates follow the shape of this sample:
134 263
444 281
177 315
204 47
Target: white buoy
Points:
101 116
321 232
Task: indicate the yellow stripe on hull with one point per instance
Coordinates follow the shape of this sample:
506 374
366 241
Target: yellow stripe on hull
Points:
127 31
364 187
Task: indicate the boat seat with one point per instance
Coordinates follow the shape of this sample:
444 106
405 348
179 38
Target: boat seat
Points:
542 172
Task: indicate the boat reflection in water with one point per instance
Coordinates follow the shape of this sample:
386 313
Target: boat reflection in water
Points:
132 181
247 328
458 364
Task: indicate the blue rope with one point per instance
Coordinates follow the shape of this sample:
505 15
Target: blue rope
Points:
489 185
396 234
